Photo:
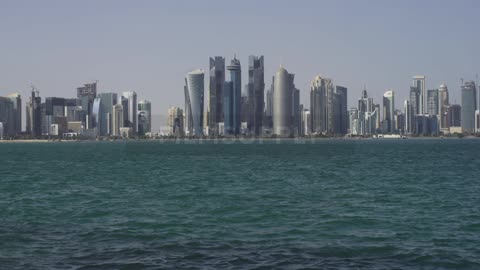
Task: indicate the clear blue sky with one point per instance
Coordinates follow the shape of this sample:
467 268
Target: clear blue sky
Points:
148 46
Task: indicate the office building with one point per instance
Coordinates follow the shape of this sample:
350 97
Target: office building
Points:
233 99
469 106
341 118
7 117
388 112
194 90
144 117
17 111
255 94
419 83
129 103
443 104
322 105
117 119
34 114
282 103
175 122
215 98
432 102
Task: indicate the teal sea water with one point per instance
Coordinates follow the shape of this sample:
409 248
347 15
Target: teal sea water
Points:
368 204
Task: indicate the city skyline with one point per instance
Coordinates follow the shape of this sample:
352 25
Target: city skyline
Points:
378 52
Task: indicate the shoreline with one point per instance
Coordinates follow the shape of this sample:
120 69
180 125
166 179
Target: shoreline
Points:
240 139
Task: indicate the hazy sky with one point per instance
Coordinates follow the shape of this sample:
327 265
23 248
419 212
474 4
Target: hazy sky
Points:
148 46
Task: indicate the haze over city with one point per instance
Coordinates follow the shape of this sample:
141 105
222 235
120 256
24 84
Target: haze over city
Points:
149 46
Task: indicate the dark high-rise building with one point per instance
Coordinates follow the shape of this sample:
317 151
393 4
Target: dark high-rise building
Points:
414 109
232 110
17 111
7 117
341 108
469 106
255 93
34 116
455 115
268 121
296 112
215 98
88 90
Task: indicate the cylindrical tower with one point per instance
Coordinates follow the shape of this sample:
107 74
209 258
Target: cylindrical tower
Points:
194 108
282 104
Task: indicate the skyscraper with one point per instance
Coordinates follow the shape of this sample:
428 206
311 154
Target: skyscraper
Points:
443 103
117 119
233 98
215 101
388 111
144 117
341 121
34 117
7 117
175 121
455 115
432 102
321 105
282 103
17 111
88 90
469 106
256 93
103 112
407 109
194 90
419 83
129 103
296 112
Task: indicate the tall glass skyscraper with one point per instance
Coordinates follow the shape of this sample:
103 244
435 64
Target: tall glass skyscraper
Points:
233 98
419 83
144 117
321 105
341 117
388 111
215 98
443 103
129 103
17 110
469 106
432 102
256 94
194 90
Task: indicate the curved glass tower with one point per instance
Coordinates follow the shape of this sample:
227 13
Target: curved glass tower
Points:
282 103
194 88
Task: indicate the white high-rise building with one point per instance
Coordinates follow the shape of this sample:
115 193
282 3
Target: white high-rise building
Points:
389 111
194 90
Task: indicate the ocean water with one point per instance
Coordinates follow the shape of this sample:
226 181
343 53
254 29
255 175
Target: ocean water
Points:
326 204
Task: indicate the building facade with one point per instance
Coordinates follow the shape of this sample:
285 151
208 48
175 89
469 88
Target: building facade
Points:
194 90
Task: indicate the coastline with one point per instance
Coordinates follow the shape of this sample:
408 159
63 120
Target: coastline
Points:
240 139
